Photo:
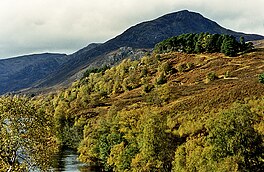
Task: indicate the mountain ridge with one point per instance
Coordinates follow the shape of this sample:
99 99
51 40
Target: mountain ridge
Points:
20 72
140 36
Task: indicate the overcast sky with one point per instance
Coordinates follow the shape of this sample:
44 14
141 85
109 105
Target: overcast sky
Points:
36 26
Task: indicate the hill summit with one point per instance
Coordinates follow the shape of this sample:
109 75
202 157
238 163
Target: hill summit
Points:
147 34
141 36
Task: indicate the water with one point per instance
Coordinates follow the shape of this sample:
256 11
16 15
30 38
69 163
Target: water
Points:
66 161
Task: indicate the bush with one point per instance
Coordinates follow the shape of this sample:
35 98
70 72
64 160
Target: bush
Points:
261 78
212 76
147 88
158 57
227 74
190 66
161 79
182 67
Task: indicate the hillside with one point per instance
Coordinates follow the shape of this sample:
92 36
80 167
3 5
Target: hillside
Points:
258 43
194 80
143 35
21 72
109 59
171 111
167 111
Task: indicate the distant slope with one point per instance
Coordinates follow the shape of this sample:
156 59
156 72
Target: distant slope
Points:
258 43
21 72
143 35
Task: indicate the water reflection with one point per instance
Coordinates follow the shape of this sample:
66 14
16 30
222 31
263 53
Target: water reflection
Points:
66 161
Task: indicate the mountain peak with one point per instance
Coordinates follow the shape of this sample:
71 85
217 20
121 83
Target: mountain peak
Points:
141 36
182 13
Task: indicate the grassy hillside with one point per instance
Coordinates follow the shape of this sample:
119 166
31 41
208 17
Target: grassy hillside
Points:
171 111
165 112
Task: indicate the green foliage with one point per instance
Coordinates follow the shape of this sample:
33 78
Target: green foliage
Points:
229 46
26 139
94 70
186 67
124 119
229 144
245 46
154 145
211 44
158 57
161 79
203 42
212 76
131 140
232 135
261 78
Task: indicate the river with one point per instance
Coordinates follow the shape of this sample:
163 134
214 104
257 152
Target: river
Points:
66 161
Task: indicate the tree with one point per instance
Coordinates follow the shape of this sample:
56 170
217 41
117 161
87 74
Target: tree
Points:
211 43
203 42
242 40
229 46
26 139
233 135
198 45
229 143
154 144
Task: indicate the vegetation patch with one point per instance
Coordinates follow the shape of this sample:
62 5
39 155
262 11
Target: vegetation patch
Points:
261 78
204 42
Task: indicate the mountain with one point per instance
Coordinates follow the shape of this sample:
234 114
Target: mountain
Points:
143 35
136 40
20 72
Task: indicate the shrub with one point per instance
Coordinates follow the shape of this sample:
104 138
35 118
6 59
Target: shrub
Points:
165 67
227 74
161 79
190 65
261 78
147 88
182 67
212 76
186 67
158 57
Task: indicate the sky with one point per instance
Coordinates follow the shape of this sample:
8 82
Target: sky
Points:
65 26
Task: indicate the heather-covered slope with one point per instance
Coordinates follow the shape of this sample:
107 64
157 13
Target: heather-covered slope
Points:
167 112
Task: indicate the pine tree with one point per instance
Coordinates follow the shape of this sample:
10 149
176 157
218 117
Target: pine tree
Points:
229 46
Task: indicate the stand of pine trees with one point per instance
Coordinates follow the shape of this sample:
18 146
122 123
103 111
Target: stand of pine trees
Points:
204 42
